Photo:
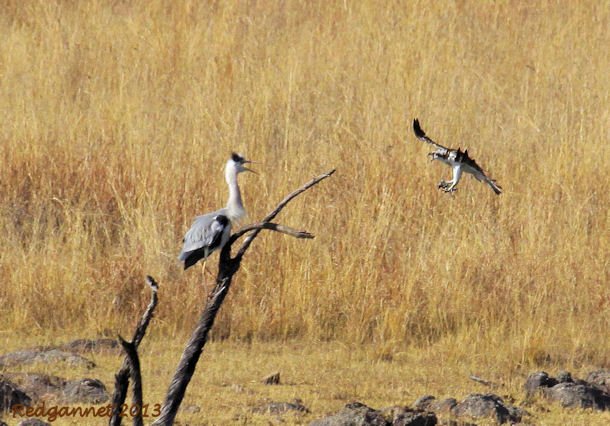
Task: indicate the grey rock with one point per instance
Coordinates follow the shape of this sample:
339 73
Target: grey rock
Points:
430 403
600 379
91 391
536 381
415 418
422 403
354 414
578 395
564 377
405 416
33 422
38 385
11 394
45 356
478 406
41 386
91 345
277 408
191 409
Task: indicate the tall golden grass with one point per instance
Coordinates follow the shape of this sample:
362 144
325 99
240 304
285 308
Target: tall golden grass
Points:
117 118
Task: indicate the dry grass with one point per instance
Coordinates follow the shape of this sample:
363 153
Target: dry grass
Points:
118 117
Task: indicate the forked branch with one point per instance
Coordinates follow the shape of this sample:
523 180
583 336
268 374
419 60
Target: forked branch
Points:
134 371
227 267
122 377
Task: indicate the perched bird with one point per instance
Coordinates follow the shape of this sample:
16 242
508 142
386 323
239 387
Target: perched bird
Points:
210 232
458 160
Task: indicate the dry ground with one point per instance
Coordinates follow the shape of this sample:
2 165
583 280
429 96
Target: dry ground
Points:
326 376
118 116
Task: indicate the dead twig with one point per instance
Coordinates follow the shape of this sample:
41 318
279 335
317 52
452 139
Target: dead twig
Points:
482 381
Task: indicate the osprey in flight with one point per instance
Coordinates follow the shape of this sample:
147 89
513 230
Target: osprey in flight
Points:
458 160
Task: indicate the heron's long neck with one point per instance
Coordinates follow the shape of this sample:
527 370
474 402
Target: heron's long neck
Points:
235 205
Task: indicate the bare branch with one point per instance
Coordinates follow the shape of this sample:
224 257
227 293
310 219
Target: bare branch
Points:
482 381
148 314
278 209
270 226
121 382
134 371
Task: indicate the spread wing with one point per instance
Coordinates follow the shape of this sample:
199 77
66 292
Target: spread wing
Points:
473 168
206 231
421 135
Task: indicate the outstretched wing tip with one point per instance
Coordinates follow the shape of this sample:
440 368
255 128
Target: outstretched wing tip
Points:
419 133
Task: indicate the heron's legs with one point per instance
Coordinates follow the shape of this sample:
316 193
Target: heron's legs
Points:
204 269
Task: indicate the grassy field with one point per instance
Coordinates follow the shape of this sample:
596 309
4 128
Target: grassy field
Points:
118 117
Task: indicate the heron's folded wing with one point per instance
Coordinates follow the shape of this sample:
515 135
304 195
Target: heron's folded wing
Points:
200 234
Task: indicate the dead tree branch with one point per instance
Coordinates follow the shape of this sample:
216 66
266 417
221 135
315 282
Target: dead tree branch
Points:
277 210
121 382
272 227
227 267
134 371
482 381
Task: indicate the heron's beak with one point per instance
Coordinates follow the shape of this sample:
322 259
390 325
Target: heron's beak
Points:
248 169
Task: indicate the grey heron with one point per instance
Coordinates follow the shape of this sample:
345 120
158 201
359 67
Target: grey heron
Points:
458 160
211 231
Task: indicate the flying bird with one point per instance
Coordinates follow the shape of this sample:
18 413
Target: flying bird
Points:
211 231
458 160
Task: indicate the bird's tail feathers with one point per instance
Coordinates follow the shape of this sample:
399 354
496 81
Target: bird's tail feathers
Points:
496 188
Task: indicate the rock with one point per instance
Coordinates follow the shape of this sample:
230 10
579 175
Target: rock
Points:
424 402
430 403
564 377
191 409
277 408
44 356
38 386
90 391
33 422
45 387
354 414
11 395
536 381
91 345
272 379
578 395
569 392
600 379
410 417
479 406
